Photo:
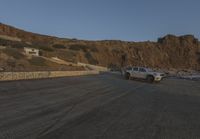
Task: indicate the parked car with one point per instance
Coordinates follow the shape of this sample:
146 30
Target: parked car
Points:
143 73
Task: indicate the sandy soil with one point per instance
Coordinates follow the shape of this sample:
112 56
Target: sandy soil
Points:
99 107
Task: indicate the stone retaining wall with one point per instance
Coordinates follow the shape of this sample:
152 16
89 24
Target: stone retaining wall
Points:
9 76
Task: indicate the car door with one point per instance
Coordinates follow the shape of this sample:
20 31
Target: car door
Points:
142 73
135 72
129 70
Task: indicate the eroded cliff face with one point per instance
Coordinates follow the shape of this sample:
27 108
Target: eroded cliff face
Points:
182 51
168 52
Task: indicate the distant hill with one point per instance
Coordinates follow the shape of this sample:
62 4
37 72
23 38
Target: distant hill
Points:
170 51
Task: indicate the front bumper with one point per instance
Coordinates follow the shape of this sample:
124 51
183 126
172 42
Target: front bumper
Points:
157 78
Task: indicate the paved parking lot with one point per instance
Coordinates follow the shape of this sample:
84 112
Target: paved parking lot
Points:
99 107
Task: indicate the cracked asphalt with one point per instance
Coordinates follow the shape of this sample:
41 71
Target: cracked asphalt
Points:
99 107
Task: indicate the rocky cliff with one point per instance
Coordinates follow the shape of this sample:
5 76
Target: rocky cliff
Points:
171 51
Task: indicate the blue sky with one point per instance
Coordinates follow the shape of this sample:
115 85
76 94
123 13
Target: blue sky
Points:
130 20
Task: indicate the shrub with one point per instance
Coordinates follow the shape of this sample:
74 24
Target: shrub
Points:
116 51
85 48
14 44
4 42
45 48
90 58
93 48
19 45
14 53
11 63
77 47
37 61
59 46
41 46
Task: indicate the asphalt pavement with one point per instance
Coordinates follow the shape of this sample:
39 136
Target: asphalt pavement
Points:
102 106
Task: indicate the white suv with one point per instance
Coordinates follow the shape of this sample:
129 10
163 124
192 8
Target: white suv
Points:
143 73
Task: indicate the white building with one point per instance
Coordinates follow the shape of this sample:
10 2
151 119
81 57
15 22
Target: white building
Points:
31 51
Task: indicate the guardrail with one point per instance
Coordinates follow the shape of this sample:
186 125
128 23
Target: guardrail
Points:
9 76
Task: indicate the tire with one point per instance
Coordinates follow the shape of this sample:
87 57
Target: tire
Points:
127 76
150 79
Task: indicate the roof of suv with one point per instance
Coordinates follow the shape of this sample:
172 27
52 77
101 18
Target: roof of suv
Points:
148 69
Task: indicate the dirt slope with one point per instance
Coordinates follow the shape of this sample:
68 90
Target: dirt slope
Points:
168 52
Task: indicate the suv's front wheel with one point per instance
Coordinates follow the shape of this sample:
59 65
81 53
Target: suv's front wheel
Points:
150 78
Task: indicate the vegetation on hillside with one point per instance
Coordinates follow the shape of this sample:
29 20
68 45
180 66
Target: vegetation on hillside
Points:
168 52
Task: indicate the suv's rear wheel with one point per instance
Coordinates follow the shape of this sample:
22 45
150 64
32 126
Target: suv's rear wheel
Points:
150 78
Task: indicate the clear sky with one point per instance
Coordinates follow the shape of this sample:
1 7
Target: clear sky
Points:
131 20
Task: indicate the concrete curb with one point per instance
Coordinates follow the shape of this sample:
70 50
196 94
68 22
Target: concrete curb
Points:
10 76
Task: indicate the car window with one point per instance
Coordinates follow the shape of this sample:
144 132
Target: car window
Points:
142 70
135 69
129 68
150 70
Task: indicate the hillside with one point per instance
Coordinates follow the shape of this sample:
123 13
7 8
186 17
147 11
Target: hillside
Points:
171 51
